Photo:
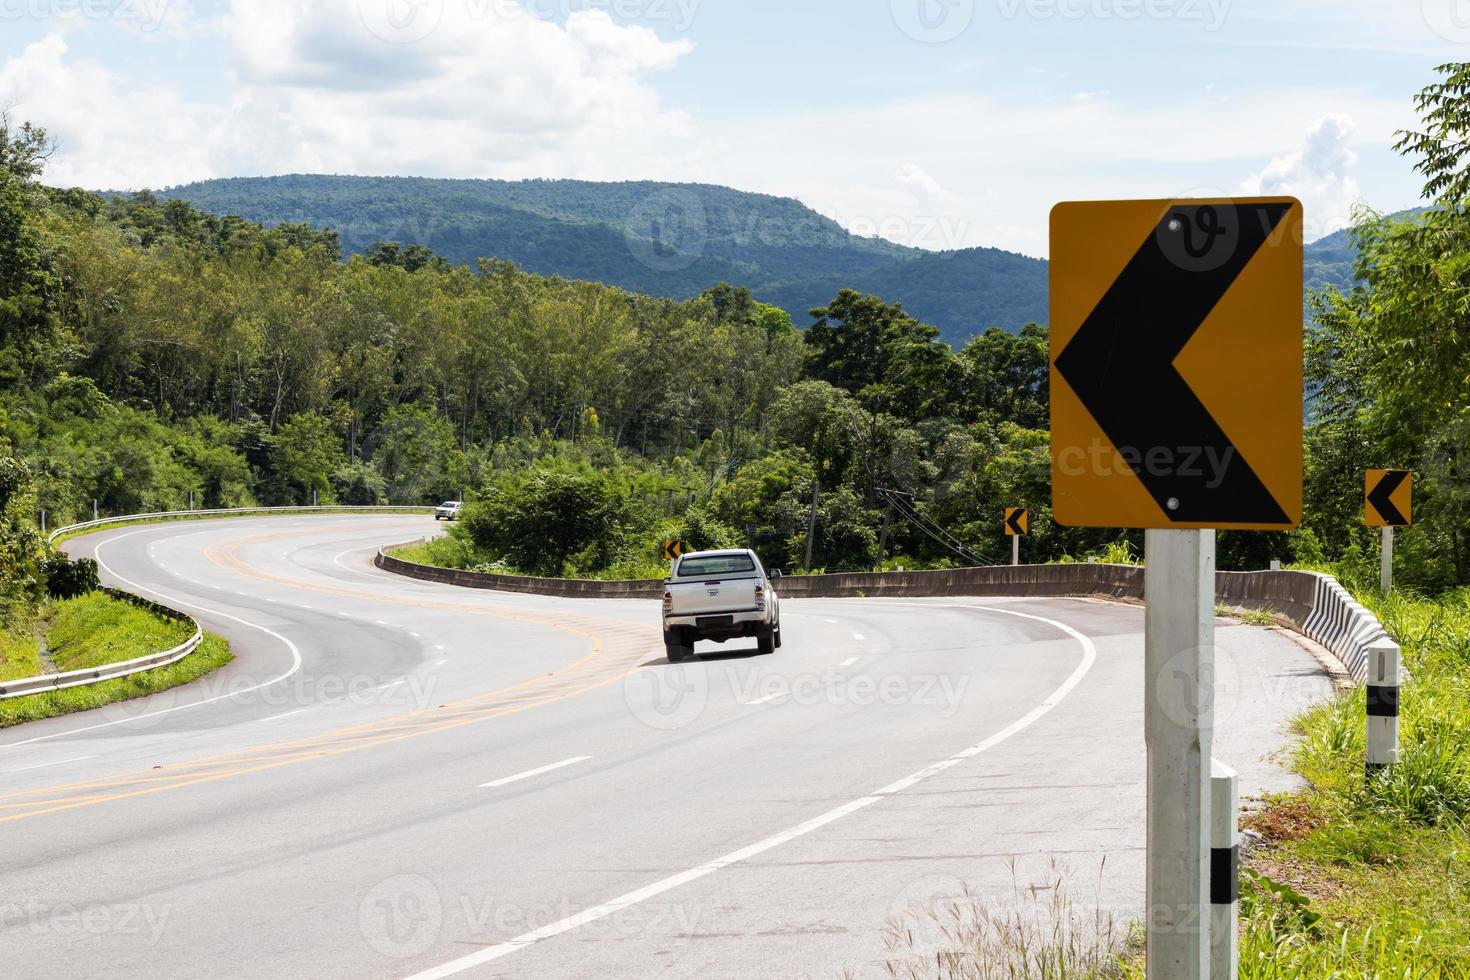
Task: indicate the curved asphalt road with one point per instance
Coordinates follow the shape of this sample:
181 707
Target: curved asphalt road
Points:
396 778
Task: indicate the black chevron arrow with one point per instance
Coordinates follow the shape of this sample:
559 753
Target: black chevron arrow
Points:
1381 498
1121 363
1013 521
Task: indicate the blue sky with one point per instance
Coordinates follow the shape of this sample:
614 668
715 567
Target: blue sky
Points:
941 123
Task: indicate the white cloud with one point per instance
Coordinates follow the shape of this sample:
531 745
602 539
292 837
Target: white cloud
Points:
914 176
1319 174
490 91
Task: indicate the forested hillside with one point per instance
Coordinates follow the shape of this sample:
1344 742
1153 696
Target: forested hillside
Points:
674 240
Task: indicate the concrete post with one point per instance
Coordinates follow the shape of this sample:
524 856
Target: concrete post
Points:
1383 705
1275 564
43 522
1224 872
1179 663
1015 549
94 508
1385 571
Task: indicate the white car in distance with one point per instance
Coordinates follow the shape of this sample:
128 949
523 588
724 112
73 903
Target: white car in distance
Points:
448 511
720 596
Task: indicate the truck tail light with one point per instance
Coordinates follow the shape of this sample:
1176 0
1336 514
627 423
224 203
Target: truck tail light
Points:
760 597
668 603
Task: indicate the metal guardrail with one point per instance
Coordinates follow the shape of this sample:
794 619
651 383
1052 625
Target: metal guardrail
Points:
46 683
183 515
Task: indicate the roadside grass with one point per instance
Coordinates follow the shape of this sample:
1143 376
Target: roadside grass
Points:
20 654
1381 865
212 654
97 629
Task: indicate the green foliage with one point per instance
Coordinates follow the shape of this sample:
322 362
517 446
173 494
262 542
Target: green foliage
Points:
307 455
68 578
547 518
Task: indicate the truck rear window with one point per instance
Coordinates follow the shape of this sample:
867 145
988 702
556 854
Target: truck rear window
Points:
715 565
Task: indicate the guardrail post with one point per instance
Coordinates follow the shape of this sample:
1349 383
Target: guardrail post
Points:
1224 872
1383 704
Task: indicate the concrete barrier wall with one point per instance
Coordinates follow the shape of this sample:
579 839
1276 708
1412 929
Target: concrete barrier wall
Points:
1314 604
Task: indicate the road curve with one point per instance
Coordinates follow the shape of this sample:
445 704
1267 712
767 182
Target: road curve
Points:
400 779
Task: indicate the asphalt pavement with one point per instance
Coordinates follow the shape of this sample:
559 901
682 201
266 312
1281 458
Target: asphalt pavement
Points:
396 778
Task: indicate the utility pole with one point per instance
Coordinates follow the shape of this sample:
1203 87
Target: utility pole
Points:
811 526
883 537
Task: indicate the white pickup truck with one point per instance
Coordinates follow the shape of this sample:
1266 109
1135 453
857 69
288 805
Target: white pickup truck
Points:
719 596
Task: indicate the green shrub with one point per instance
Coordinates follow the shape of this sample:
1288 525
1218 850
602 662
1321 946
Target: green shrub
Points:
67 578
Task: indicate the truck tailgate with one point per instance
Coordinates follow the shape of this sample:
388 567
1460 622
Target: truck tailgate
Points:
713 596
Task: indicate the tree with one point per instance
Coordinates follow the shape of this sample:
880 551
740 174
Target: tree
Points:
416 454
879 353
24 150
308 453
543 519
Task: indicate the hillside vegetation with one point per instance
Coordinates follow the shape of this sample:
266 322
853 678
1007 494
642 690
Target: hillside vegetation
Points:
672 240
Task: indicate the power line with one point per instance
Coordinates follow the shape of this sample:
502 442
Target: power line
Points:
932 529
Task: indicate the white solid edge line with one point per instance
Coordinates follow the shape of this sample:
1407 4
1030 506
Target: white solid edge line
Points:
295 652
768 697
535 772
46 765
848 662
489 953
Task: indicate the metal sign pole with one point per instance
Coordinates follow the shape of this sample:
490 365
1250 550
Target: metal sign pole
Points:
1015 549
1385 574
1179 658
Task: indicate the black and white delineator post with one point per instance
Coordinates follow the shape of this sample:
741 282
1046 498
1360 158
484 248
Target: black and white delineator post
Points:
1383 704
1179 658
1224 872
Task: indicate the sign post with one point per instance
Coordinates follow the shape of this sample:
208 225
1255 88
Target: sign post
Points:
1388 502
1018 525
1179 664
1177 408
